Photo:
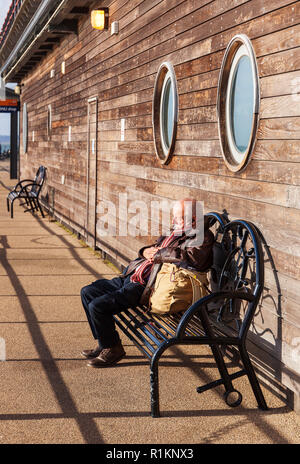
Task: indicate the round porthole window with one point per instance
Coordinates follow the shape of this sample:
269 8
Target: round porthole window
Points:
238 103
165 110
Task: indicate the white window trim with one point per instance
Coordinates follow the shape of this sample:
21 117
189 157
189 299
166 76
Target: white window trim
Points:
165 72
240 45
162 99
237 155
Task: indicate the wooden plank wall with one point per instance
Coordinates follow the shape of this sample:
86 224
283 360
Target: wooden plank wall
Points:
120 70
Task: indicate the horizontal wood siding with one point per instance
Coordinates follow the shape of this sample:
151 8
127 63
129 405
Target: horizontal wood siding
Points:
120 70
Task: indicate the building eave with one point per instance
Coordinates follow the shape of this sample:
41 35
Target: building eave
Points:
50 21
16 27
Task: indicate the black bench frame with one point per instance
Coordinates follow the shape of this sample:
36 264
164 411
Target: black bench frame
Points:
220 320
28 190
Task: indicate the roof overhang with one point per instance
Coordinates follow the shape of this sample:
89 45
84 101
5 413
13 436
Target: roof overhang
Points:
52 20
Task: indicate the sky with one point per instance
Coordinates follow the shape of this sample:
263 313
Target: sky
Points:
4 118
4 6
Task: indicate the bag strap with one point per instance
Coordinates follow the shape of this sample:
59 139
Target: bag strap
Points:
194 283
195 278
144 300
196 289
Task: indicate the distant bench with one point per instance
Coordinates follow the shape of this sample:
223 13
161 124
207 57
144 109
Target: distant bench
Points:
29 191
219 320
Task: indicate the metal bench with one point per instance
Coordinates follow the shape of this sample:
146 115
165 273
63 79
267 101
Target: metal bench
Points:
28 190
220 320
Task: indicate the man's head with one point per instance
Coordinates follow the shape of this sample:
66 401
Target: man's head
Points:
184 213
188 217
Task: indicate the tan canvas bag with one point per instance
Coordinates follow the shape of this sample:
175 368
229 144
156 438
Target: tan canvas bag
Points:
175 289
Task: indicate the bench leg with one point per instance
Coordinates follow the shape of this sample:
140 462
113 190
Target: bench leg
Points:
42 212
253 379
31 205
24 202
225 377
222 368
154 384
154 390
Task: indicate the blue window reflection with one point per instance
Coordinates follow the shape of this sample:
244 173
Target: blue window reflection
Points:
242 100
167 113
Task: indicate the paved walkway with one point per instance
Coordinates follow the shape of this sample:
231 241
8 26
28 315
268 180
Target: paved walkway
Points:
49 395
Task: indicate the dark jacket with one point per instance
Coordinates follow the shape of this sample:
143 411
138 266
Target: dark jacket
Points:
182 252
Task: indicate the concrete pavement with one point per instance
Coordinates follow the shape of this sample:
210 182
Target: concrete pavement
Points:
47 393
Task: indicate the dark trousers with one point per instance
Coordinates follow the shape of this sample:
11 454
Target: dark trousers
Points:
104 298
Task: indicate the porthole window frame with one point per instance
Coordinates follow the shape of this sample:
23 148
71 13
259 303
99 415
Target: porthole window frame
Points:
25 127
163 150
235 160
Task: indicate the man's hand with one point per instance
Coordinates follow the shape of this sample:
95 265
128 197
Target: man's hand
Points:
149 253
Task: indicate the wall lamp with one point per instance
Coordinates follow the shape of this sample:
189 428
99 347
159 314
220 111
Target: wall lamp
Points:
18 89
99 19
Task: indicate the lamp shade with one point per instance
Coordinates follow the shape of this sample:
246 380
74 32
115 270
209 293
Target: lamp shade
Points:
99 18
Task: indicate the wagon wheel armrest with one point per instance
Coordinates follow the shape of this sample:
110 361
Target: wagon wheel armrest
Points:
200 308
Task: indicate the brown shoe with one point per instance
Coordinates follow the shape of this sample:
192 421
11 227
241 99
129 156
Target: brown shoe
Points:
89 354
108 356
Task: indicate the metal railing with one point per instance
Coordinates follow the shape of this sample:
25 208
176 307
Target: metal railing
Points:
9 20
